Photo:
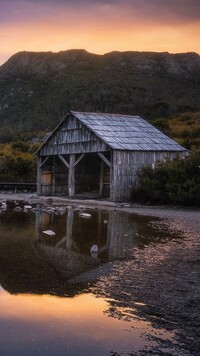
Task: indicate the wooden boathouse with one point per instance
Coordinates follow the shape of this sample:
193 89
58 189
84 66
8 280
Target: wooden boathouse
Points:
94 153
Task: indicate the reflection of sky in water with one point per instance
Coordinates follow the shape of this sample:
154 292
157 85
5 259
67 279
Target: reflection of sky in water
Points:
53 326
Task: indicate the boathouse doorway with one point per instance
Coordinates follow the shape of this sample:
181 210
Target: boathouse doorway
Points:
92 176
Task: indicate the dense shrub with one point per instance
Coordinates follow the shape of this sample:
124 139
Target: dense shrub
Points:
20 146
172 182
17 169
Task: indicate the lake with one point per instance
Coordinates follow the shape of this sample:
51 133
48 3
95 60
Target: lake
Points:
55 265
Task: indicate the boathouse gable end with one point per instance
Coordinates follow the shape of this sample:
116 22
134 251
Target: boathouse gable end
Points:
96 154
72 136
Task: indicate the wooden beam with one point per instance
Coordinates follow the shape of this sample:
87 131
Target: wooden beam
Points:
104 159
64 161
43 162
71 176
79 159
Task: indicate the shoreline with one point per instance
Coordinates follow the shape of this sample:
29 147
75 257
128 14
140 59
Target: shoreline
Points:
186 218
160 283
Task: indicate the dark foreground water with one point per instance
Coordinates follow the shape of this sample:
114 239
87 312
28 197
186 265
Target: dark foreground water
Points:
48 301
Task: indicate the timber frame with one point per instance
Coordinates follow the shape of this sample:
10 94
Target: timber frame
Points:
100 155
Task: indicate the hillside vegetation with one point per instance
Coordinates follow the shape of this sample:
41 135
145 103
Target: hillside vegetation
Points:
38 89
184 128
18 162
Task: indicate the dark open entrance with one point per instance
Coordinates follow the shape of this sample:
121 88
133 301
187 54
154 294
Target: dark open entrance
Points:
92 175
76 174
61 173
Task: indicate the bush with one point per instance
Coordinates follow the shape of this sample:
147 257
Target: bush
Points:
17 169
172 182
20 146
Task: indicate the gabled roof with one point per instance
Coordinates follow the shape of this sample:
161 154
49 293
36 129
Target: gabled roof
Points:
126 132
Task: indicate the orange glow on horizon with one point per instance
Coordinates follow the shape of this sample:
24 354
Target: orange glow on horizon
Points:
156 39
97 27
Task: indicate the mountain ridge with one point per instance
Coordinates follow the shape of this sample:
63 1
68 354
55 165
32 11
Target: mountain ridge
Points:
38 88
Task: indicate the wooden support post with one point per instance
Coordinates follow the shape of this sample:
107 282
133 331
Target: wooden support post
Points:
71 178
101 179
39 192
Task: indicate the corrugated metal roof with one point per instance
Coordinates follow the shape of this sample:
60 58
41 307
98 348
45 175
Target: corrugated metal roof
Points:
125 132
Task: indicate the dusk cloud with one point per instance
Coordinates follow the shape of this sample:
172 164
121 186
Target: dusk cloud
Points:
146 10
99 25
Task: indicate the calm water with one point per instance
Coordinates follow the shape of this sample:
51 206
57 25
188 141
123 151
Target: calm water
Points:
46 300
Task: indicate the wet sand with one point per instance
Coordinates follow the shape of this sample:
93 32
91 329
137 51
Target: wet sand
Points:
164 278
160 284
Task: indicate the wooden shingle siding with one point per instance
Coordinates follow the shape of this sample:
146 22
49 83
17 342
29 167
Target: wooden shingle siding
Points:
73 137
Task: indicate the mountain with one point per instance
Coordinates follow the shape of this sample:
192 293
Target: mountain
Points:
38 88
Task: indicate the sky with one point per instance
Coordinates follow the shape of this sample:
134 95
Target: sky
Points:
99 26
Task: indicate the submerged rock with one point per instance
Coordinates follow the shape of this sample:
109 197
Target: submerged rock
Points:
17 208
27 207
94 249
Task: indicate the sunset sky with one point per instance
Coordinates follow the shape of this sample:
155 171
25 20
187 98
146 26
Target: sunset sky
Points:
99 26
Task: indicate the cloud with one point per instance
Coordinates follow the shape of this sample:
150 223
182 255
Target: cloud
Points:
148 11
99 25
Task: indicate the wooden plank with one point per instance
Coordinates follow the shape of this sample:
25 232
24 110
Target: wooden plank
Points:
64 161
71 177
78 160
43 162
104 159
39 176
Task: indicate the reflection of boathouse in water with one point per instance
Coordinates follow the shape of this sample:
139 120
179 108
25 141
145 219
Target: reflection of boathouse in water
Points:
69 250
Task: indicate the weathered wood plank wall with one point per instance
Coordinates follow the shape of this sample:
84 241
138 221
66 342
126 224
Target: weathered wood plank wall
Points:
126 165
73 137
71 140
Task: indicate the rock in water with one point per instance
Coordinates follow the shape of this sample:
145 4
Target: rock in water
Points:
85 215
49 232
94 249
